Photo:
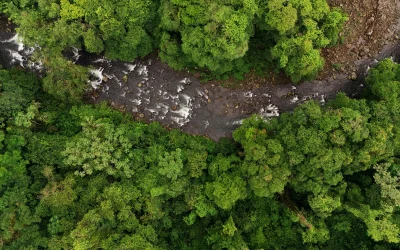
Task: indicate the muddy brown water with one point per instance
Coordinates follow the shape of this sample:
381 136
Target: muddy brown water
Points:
152 91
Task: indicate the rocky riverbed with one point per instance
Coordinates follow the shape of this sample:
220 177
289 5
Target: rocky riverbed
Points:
152 91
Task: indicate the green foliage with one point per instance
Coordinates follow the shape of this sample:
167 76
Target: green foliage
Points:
218 38
116 27
298 58
88 177
17 91
226 190
326 146
65 80
121 29
389 183
318 26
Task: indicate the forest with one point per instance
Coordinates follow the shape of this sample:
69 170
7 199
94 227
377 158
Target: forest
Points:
218 39
80 176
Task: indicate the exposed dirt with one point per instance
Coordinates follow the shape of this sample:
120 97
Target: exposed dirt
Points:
372 25
5 24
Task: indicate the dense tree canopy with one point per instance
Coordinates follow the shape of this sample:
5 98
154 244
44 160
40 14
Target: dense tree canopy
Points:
216 37
89 177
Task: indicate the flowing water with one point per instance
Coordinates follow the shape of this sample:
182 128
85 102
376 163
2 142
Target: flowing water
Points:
152 91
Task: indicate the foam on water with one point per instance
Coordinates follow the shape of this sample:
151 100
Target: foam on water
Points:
103 60
165 95
238 122
106 88
180 88
16 40
29 51
76 55
98 75
152 111
136 101
185 81
322 100
146 100
248 94
187 99
109 76
184 112
119 82
22 54
17 57
163 109
36 65
130 67
294 99
142 70
270 111
367 70
207 123
201 93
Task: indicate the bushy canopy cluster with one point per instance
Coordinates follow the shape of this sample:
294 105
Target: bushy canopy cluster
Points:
219 37
85 177
223 36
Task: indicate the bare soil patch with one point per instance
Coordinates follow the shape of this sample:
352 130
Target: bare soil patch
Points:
372 25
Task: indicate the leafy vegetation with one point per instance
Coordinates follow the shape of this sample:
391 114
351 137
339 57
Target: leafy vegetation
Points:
89 177
219 38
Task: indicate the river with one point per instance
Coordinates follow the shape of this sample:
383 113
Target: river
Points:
152 91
